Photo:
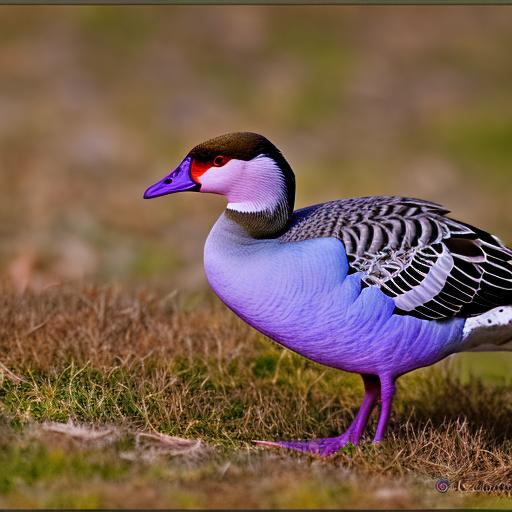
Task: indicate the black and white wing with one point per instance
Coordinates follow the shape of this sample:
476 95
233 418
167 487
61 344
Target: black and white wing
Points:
431 265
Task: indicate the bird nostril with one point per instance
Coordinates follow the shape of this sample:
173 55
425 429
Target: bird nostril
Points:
168 181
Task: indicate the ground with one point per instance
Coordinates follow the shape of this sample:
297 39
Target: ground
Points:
101 101
114 398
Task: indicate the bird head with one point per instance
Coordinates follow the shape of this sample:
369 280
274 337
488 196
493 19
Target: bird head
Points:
244 167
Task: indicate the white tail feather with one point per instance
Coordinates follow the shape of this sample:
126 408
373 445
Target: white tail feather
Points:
489 332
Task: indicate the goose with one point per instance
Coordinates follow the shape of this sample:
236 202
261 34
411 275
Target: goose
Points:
378 286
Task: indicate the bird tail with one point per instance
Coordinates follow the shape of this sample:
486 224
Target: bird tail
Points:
489 332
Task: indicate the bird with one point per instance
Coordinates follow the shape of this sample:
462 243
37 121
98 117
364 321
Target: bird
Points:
377 285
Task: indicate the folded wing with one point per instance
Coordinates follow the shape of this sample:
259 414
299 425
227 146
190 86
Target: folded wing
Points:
431 265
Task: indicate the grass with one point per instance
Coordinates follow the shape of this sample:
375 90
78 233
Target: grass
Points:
101 101
141 367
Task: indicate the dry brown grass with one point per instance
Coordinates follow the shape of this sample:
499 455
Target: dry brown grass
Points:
106 328
150 370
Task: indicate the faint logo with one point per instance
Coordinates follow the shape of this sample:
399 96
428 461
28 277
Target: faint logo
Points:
499 488
442 485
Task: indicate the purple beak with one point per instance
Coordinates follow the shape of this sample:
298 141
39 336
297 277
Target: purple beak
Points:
178 181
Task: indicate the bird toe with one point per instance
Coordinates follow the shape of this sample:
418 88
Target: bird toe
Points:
322 447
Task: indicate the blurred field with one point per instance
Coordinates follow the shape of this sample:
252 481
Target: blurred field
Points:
96 103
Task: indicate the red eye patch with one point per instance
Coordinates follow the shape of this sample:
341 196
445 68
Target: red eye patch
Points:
197 169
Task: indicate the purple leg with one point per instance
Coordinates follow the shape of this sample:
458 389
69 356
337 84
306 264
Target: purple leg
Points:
371 388
329 445
387 393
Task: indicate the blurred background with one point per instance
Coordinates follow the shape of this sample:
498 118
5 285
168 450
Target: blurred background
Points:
97 103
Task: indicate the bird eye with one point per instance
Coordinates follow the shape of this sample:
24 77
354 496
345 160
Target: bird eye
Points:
168 181
219 161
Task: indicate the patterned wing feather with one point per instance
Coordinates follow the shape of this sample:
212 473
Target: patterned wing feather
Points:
431 265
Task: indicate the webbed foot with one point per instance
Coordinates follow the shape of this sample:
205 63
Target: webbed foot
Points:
330 445
324 447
